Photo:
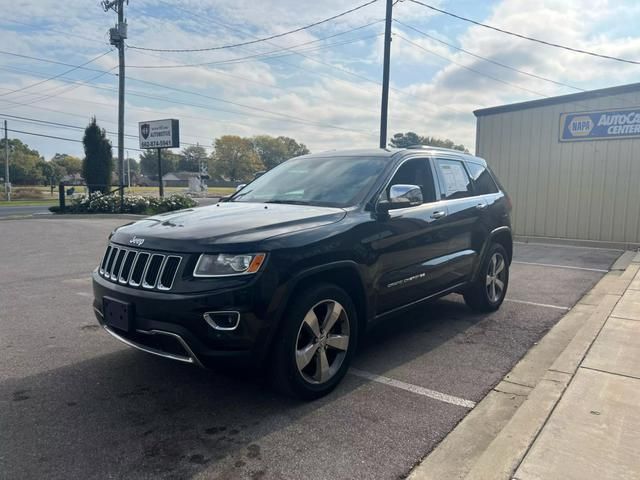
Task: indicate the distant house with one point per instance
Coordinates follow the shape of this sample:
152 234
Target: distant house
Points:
143 181
178 179
74 179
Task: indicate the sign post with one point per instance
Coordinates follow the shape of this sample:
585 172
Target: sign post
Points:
160 173
159 134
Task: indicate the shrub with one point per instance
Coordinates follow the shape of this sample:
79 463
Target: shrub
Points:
137 204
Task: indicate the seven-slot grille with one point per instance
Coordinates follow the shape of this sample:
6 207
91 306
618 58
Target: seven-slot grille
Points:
137 268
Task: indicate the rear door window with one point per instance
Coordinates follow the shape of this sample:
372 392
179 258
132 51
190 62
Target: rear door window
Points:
454 180
482 180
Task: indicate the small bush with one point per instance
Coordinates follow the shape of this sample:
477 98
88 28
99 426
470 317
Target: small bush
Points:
136 204
26 193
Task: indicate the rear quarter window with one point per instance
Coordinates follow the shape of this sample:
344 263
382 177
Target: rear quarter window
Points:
482 180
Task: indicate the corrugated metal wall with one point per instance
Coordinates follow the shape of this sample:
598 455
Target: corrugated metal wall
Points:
587 190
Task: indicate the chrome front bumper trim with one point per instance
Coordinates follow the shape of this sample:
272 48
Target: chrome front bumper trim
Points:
191 358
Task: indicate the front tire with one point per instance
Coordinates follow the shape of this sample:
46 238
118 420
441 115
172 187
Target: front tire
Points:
487 293
316 342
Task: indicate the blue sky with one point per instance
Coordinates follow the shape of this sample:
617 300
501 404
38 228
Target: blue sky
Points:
325 94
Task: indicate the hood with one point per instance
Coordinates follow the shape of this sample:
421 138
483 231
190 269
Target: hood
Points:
222 224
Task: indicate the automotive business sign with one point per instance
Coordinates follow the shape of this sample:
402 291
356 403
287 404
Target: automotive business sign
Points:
600 125
159 134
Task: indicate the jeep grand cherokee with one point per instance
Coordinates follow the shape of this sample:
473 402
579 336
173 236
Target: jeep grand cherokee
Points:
291 270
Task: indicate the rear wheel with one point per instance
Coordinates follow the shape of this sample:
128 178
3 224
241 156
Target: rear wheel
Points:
487 293
316 342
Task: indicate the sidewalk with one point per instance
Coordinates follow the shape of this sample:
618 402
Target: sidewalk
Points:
594 430
570 409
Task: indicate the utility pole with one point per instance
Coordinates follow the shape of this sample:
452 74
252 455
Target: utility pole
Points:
385 75
7 181
117 37
128 170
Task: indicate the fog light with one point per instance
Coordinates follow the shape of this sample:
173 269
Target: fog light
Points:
223 320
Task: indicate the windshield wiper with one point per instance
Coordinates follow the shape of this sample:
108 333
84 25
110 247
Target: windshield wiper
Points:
292 202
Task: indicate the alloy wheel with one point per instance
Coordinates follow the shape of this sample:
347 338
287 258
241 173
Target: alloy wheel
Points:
496 277
322 341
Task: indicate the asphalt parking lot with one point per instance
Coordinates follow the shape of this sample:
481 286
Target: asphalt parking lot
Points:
75 403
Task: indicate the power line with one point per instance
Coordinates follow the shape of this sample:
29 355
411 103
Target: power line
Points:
205 107
250 42
286 117
270 54
263 84
57 76
65 33
102 120
524 37
469 68
75 127
62 88
55 62
46 136
480 57
315 60
55 137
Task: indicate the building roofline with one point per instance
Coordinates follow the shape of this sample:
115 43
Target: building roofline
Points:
572 97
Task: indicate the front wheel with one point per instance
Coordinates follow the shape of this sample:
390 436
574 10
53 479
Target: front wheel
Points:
487 293
316 342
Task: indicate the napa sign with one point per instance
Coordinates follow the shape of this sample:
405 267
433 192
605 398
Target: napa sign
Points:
600 125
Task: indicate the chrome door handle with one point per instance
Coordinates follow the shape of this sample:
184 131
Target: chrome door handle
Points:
438 214
481 206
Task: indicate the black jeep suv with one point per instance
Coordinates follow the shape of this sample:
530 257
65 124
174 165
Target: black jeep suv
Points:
290 270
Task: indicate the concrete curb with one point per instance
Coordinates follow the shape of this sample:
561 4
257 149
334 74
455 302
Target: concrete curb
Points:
492 440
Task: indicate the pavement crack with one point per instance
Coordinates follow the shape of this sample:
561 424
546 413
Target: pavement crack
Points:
516 383
511 393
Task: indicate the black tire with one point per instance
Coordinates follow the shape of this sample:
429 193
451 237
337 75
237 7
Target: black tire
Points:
478 296
295 334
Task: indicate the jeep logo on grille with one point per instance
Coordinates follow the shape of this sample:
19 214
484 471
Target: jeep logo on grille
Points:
136 241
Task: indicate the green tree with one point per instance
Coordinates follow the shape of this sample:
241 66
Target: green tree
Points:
235 159
275 150
191 157
404 140
149 162
97 165
23 163
71 164
51 172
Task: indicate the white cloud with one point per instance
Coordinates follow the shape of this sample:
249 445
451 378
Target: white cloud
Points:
307 91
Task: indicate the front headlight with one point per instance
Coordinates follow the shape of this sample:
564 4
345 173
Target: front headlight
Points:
224 264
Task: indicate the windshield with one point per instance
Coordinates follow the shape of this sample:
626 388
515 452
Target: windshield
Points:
330 182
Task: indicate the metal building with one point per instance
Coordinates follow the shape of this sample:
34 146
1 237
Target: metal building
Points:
570 163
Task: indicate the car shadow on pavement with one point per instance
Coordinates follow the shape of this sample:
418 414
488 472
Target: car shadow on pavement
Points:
128 414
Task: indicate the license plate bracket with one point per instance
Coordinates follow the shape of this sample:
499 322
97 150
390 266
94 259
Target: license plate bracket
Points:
117 314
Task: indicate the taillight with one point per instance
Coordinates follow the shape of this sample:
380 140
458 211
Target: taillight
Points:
508 200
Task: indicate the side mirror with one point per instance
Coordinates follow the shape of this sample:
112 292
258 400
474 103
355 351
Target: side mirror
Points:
240 187
401 196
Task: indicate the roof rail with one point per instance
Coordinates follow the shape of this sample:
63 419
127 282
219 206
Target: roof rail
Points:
429 147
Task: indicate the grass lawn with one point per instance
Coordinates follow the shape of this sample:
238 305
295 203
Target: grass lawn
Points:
29 203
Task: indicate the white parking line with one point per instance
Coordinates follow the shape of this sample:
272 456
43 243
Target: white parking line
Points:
562 266
547 305
84 294
443 397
